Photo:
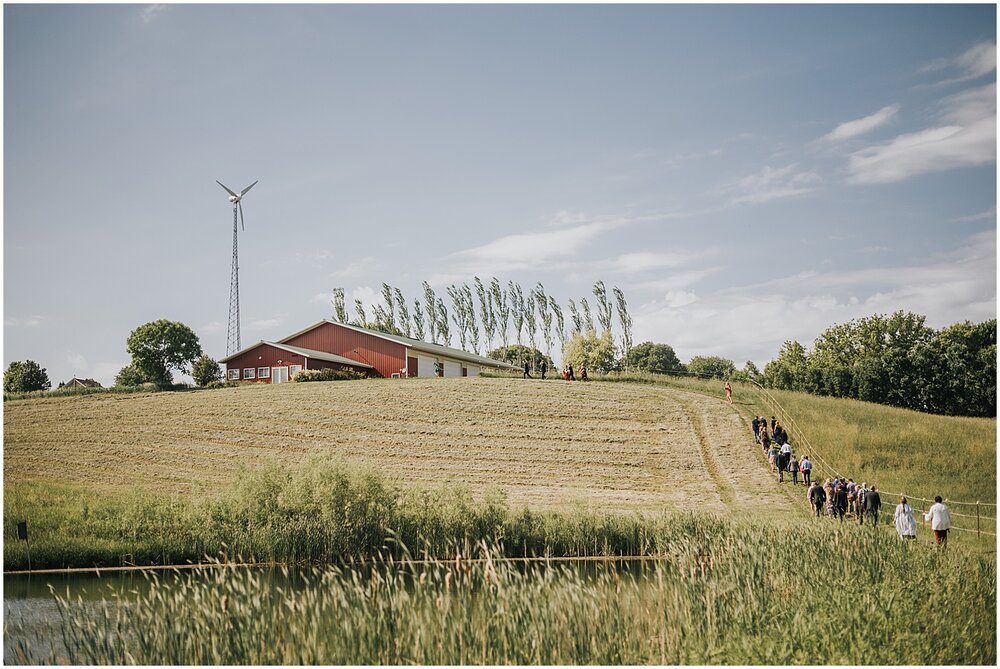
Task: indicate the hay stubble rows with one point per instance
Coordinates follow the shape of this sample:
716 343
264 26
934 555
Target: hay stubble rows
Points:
544 444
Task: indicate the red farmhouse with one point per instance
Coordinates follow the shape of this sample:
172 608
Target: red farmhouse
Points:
329 344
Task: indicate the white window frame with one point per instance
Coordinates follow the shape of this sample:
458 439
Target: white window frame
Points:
293 370
249 373
263 372
234 374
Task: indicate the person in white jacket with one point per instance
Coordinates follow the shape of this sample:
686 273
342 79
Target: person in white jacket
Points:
906 526
940 520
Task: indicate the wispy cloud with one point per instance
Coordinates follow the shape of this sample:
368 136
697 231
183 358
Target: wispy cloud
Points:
953 287
150 13
212 328
988 215
644 261
773 184
973 63
968 139
24 322
264 324
861 126
77 361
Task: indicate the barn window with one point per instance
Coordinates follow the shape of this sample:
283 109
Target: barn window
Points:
263 372
249 373
234 375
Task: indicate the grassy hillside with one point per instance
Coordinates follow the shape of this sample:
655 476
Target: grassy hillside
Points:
545 445
900 451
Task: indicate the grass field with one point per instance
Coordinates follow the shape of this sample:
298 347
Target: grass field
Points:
547 445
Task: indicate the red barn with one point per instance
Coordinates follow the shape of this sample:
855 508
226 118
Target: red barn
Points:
329 344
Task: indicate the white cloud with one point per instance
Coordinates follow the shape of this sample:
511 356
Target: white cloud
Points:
26 322
861 126
772 184
968 139
751 322
678 280
642 261
150 13
979 60
988 215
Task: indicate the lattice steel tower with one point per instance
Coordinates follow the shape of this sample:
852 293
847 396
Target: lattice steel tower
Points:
233 337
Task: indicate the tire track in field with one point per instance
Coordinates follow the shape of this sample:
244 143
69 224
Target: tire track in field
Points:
697 419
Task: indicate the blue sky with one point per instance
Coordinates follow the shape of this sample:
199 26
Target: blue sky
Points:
746 174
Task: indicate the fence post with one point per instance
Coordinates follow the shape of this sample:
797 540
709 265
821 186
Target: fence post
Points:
978 535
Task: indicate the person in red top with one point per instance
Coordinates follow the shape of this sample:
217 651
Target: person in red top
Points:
729 393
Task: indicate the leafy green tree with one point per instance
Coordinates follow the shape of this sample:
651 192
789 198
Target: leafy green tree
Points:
788 370
25 377
517 354
129 376
711 366
959 370
654 358
161 346
595 351
748 373
205 370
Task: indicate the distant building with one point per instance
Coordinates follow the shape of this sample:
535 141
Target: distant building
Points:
332 345
80 383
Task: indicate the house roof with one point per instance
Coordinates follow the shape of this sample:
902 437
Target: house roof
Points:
415 344
305 352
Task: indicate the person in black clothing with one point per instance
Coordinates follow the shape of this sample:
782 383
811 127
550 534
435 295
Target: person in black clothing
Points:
872 504
571 377
818 498
527 375
773 423
755 426
543 368
840 502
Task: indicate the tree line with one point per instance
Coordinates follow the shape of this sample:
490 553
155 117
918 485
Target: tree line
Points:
896 360
505 322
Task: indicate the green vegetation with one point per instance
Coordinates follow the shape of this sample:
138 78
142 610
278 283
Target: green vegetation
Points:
897 360
319 513
205 370
726 593
161 346
25 377
711 367
654 359
596 352
328 375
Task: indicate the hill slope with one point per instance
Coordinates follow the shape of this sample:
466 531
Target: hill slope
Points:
547 445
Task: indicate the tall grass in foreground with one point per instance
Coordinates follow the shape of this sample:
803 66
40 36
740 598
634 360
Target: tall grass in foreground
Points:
727 593
321 512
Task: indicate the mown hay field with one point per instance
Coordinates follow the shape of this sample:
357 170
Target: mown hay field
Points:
544 444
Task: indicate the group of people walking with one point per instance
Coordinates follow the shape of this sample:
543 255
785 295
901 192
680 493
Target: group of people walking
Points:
567 372
839 497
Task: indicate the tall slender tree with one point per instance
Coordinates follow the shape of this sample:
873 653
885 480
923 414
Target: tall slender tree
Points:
516 308
442 322
339 309
626 323
388 314
431 302
501 311
603 306
560 324
530 321
545 316
459 315
359 310
588 319
418 320
575 315
486 314
404 312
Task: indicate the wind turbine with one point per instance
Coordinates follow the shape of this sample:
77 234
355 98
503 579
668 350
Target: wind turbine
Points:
233 339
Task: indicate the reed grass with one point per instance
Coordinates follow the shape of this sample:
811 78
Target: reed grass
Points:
727 592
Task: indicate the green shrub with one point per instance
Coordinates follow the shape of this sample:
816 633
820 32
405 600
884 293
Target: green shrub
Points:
327 375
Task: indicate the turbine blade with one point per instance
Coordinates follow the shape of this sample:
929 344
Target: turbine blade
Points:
240 205
244 191
227 189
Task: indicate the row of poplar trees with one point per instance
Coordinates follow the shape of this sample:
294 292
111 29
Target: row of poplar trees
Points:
488 316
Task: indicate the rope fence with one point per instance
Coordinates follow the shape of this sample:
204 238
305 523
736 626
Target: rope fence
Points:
788 421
